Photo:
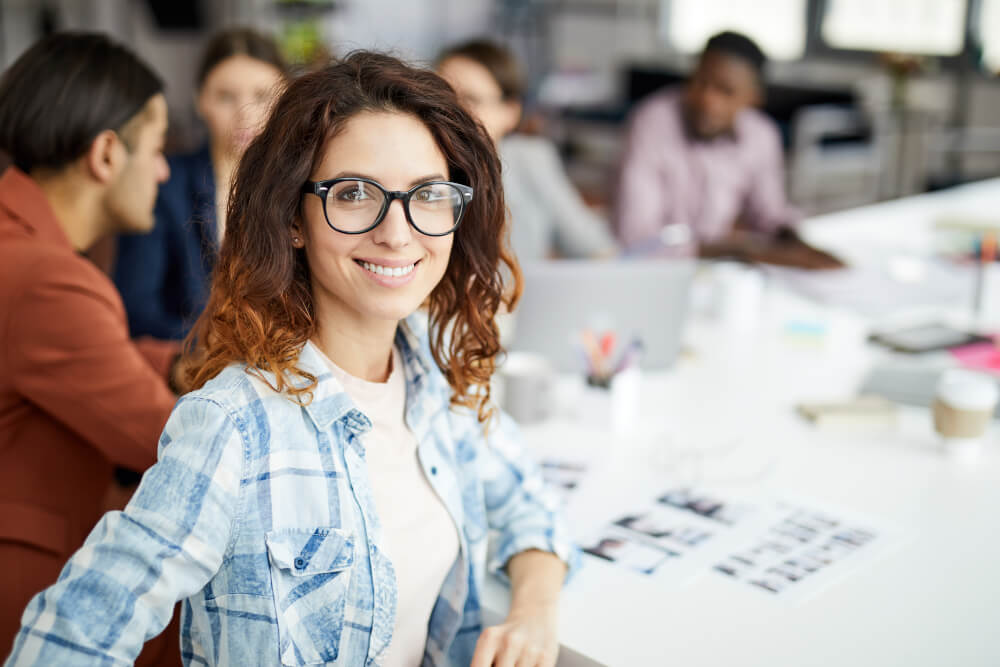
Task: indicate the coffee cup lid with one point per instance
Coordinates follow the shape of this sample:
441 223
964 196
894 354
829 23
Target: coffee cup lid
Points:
967 390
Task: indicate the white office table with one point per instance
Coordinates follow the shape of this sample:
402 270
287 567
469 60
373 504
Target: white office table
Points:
903 225
932 600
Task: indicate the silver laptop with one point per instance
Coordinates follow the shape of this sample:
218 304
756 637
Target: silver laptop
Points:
909 382
645 299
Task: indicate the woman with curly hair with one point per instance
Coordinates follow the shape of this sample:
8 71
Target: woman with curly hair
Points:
325 492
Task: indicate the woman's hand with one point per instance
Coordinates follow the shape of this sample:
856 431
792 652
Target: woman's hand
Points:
527 638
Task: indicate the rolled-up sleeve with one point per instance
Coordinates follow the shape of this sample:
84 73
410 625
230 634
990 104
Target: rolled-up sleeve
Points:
119 589
519 505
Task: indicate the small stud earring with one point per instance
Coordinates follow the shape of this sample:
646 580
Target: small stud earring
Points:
295 239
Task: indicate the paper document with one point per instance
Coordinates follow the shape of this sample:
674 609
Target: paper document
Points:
784 550
881 290
800 552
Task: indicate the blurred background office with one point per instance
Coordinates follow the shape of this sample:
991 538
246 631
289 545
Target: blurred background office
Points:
875 99
866 101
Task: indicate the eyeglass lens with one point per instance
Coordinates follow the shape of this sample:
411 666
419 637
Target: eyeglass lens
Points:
353 206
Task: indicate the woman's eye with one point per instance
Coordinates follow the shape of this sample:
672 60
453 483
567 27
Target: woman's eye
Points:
352 194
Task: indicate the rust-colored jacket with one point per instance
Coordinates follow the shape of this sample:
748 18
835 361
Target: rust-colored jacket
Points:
77 397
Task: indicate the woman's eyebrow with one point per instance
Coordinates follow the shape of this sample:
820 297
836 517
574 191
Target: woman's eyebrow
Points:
424 179
416 181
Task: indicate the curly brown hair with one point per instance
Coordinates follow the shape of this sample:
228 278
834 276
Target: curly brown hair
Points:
260 311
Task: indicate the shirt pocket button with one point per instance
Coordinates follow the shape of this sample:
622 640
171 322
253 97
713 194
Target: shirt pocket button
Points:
300 563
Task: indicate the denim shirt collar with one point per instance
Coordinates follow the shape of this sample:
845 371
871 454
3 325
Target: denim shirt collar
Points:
331 403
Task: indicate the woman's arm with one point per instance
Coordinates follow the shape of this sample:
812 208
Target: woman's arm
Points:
119 589
534 550
579 232
529 635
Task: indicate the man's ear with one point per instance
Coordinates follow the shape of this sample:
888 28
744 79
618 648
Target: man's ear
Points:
105 157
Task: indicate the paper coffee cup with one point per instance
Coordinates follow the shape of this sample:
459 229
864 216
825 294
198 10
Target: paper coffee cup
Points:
952 422
963 407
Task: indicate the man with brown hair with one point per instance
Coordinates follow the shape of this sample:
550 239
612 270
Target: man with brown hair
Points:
83 122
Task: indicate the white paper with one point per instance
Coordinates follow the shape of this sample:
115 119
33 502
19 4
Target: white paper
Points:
801 551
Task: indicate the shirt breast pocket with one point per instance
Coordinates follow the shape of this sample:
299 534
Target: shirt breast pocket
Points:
310 573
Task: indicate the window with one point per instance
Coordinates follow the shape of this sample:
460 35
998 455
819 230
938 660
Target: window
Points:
778 26
931 27
989 33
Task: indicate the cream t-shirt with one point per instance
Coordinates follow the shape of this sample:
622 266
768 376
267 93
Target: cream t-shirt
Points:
419 536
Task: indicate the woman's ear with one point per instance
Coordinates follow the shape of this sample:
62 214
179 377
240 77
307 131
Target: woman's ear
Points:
298 238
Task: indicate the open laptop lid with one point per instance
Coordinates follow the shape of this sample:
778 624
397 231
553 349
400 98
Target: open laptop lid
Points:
644 298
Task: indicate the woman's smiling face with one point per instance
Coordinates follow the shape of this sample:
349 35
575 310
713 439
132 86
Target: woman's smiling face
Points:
388 272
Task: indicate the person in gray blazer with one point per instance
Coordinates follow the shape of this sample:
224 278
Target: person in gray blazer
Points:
548 217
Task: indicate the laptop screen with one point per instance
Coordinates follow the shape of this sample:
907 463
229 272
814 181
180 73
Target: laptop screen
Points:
645 300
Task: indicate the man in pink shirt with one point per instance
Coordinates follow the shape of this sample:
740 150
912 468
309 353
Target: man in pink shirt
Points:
703 170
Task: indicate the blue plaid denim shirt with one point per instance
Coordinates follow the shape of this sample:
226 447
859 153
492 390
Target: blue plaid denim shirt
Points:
259 515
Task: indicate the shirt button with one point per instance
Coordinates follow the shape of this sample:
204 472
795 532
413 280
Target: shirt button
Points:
300 563
434 470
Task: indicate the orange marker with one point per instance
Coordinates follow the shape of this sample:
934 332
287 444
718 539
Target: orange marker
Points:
987 253
988 250
607 344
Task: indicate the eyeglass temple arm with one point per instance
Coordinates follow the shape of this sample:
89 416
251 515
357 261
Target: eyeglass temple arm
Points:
314 188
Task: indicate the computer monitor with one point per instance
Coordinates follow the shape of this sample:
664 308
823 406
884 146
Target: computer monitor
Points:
646 299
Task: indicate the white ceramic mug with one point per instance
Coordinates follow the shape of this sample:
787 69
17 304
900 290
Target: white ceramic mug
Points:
738 294
528 381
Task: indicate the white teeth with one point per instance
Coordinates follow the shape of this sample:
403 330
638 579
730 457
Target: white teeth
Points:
390 271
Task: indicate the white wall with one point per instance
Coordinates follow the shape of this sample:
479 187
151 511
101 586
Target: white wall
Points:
173 54
584 36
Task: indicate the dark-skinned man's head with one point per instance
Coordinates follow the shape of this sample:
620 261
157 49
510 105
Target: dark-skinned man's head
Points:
727 80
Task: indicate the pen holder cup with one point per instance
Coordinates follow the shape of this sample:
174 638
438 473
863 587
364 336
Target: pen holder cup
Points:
611 405
988 306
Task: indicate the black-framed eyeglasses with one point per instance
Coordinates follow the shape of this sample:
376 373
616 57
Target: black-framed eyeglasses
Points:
355 205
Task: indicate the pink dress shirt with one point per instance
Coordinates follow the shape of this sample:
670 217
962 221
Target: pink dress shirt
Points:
676 191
